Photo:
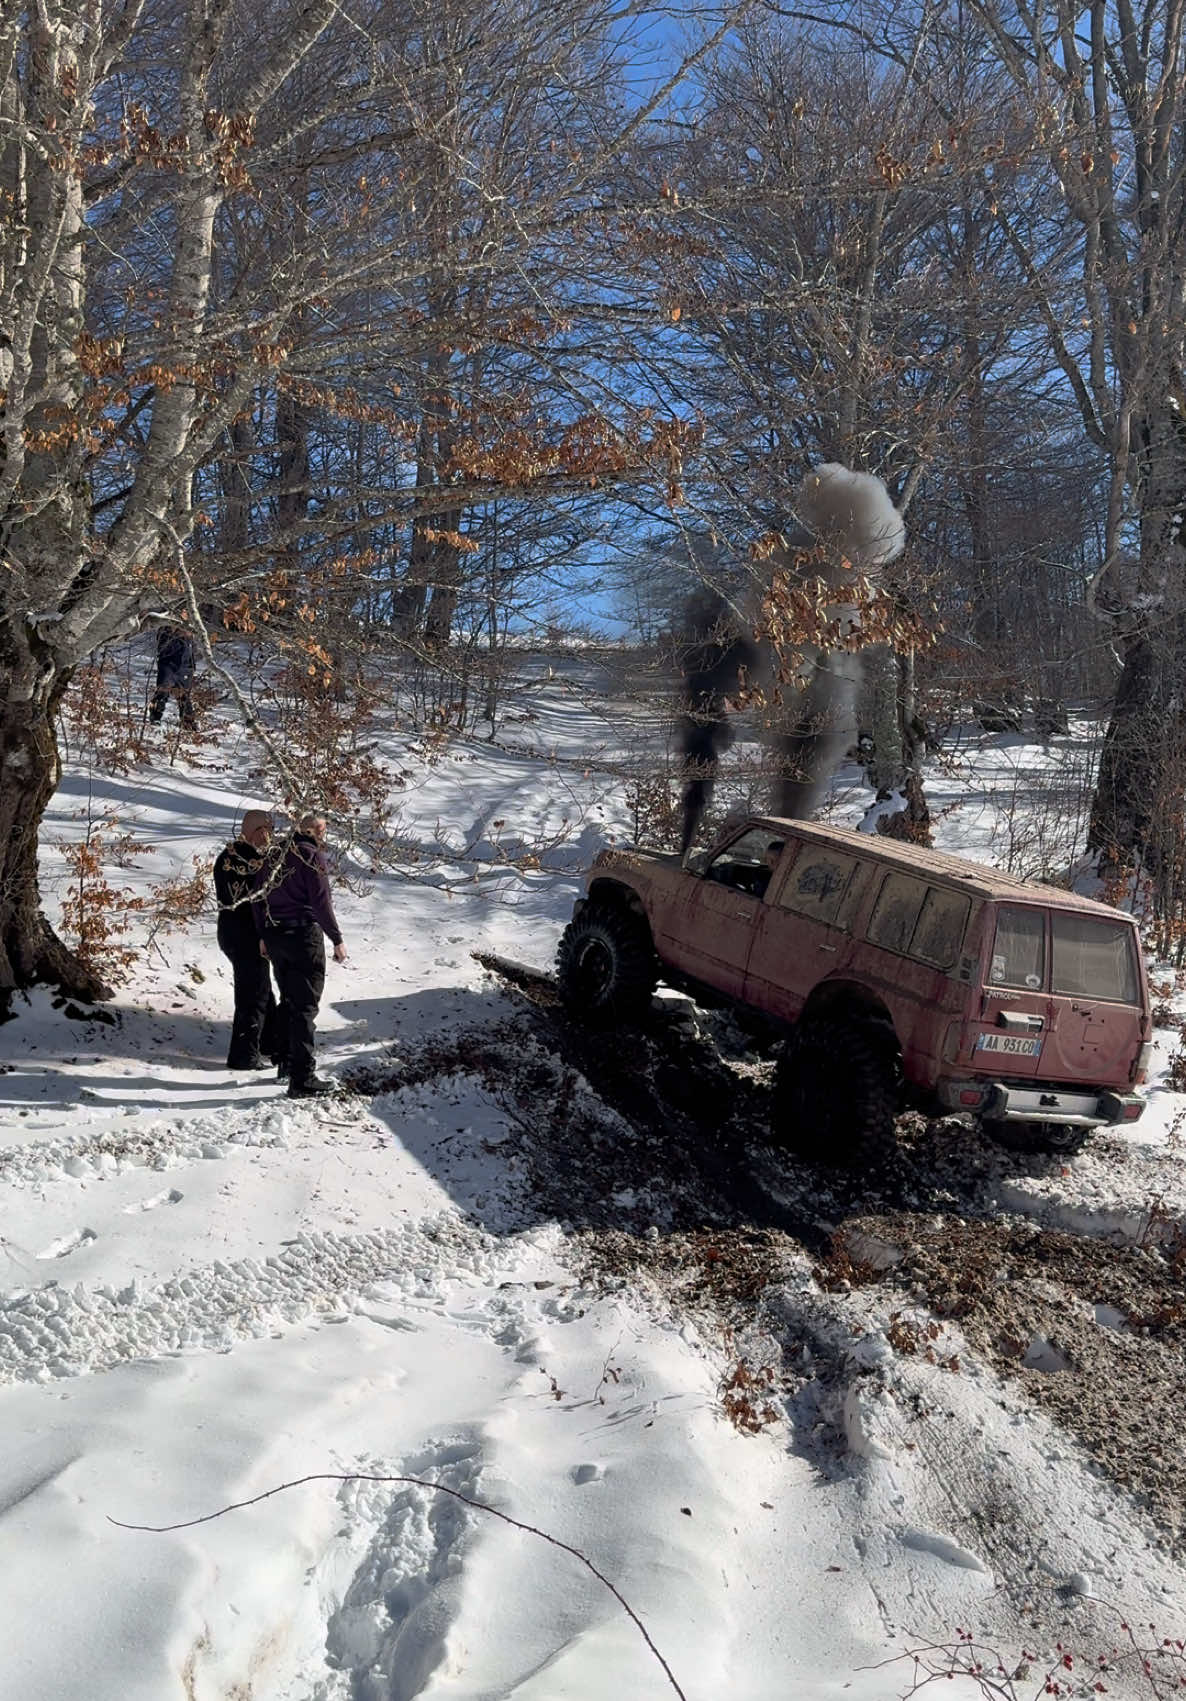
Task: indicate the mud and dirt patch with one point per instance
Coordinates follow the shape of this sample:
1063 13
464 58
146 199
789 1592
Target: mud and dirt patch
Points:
1095 1333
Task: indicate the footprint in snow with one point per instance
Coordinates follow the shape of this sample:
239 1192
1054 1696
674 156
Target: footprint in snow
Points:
942 1547
170 1196
69 1243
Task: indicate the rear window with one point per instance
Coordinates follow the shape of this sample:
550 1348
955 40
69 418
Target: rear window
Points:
1094 958
939 929
1019 949
918 920
896 912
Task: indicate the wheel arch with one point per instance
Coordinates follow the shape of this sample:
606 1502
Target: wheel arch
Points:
607 891
848 998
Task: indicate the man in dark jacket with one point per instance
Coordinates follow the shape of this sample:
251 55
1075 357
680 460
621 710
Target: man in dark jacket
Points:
293 910
174 674
256 1029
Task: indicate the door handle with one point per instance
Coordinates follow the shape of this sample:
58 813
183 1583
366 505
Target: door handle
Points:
832 948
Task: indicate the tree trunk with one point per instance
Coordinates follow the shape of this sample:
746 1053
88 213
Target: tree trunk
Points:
895 769
409 601
446 584
235 472
30 951
1137 814
294 426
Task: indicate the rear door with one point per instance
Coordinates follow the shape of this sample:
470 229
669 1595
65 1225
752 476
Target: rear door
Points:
803 934
1098 1017
1015 1012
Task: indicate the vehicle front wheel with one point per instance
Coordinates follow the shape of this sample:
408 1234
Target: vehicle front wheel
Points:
1059 1138
839 1088
605 965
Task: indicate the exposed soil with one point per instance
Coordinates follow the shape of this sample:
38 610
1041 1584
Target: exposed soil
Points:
1095 1333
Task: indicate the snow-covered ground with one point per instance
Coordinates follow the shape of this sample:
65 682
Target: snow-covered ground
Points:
209 1291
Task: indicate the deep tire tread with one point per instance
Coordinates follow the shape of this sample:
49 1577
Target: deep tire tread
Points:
623 941
839 1088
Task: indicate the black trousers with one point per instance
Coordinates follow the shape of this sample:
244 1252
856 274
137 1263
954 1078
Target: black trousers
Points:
160 702
256 1030
298 957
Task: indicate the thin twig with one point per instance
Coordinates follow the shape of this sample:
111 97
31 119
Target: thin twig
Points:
435 1488
249 716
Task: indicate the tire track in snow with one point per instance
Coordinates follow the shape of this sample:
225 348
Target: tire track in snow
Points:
159 1146
109 1152
57 1332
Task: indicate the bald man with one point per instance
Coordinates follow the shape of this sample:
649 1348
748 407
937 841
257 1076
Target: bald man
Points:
256 1032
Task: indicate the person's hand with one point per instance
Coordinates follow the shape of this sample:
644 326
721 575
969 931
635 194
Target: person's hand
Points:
263 949
339 952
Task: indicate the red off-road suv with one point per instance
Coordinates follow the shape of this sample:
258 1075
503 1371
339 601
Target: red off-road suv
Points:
893 968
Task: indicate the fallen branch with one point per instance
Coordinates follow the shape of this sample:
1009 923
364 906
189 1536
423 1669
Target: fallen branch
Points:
434 1488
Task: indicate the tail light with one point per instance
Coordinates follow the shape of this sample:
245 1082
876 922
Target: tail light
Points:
1144 1059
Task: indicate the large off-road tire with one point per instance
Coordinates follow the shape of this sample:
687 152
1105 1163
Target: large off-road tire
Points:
1057 1138
605 966
839 1088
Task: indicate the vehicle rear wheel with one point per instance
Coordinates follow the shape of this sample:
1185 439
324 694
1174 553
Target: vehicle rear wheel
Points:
605 965
1061 1138
839 1087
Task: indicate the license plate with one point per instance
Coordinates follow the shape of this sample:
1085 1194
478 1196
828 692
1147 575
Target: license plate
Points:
1012 1043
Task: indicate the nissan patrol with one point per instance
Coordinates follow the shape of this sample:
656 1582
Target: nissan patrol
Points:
892 969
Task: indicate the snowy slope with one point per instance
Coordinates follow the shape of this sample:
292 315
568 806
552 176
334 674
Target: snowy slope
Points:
207 1291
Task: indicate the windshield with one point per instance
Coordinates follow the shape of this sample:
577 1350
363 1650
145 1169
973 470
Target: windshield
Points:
1094 959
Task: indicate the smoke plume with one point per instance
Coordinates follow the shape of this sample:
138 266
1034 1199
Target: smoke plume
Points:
850 524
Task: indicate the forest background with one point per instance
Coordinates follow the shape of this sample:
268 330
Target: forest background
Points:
375 341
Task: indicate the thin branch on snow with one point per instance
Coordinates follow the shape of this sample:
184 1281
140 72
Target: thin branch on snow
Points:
434 1488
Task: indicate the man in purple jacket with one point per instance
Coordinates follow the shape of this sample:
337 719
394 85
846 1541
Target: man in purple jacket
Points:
293 910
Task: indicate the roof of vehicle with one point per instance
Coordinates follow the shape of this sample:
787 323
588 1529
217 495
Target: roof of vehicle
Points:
972 877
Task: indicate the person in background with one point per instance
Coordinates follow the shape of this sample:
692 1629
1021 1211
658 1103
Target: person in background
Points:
294 914
174 675
256 1031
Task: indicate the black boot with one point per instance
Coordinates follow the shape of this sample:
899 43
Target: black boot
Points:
313 1088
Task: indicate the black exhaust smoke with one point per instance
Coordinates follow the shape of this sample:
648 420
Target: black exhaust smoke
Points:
849 525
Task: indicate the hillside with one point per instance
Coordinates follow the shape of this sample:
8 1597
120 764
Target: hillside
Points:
800 1422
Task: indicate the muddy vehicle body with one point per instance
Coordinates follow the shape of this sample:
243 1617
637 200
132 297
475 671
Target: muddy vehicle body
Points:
895 971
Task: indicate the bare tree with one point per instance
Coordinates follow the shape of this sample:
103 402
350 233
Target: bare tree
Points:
1106 87
213 264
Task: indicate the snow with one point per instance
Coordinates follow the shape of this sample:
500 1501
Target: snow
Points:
208 1291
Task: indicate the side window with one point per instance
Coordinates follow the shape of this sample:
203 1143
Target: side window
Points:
748 863
1019 949
818 885
896 912
939 929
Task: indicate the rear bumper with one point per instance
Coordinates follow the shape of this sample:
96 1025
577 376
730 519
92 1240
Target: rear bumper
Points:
998 1102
